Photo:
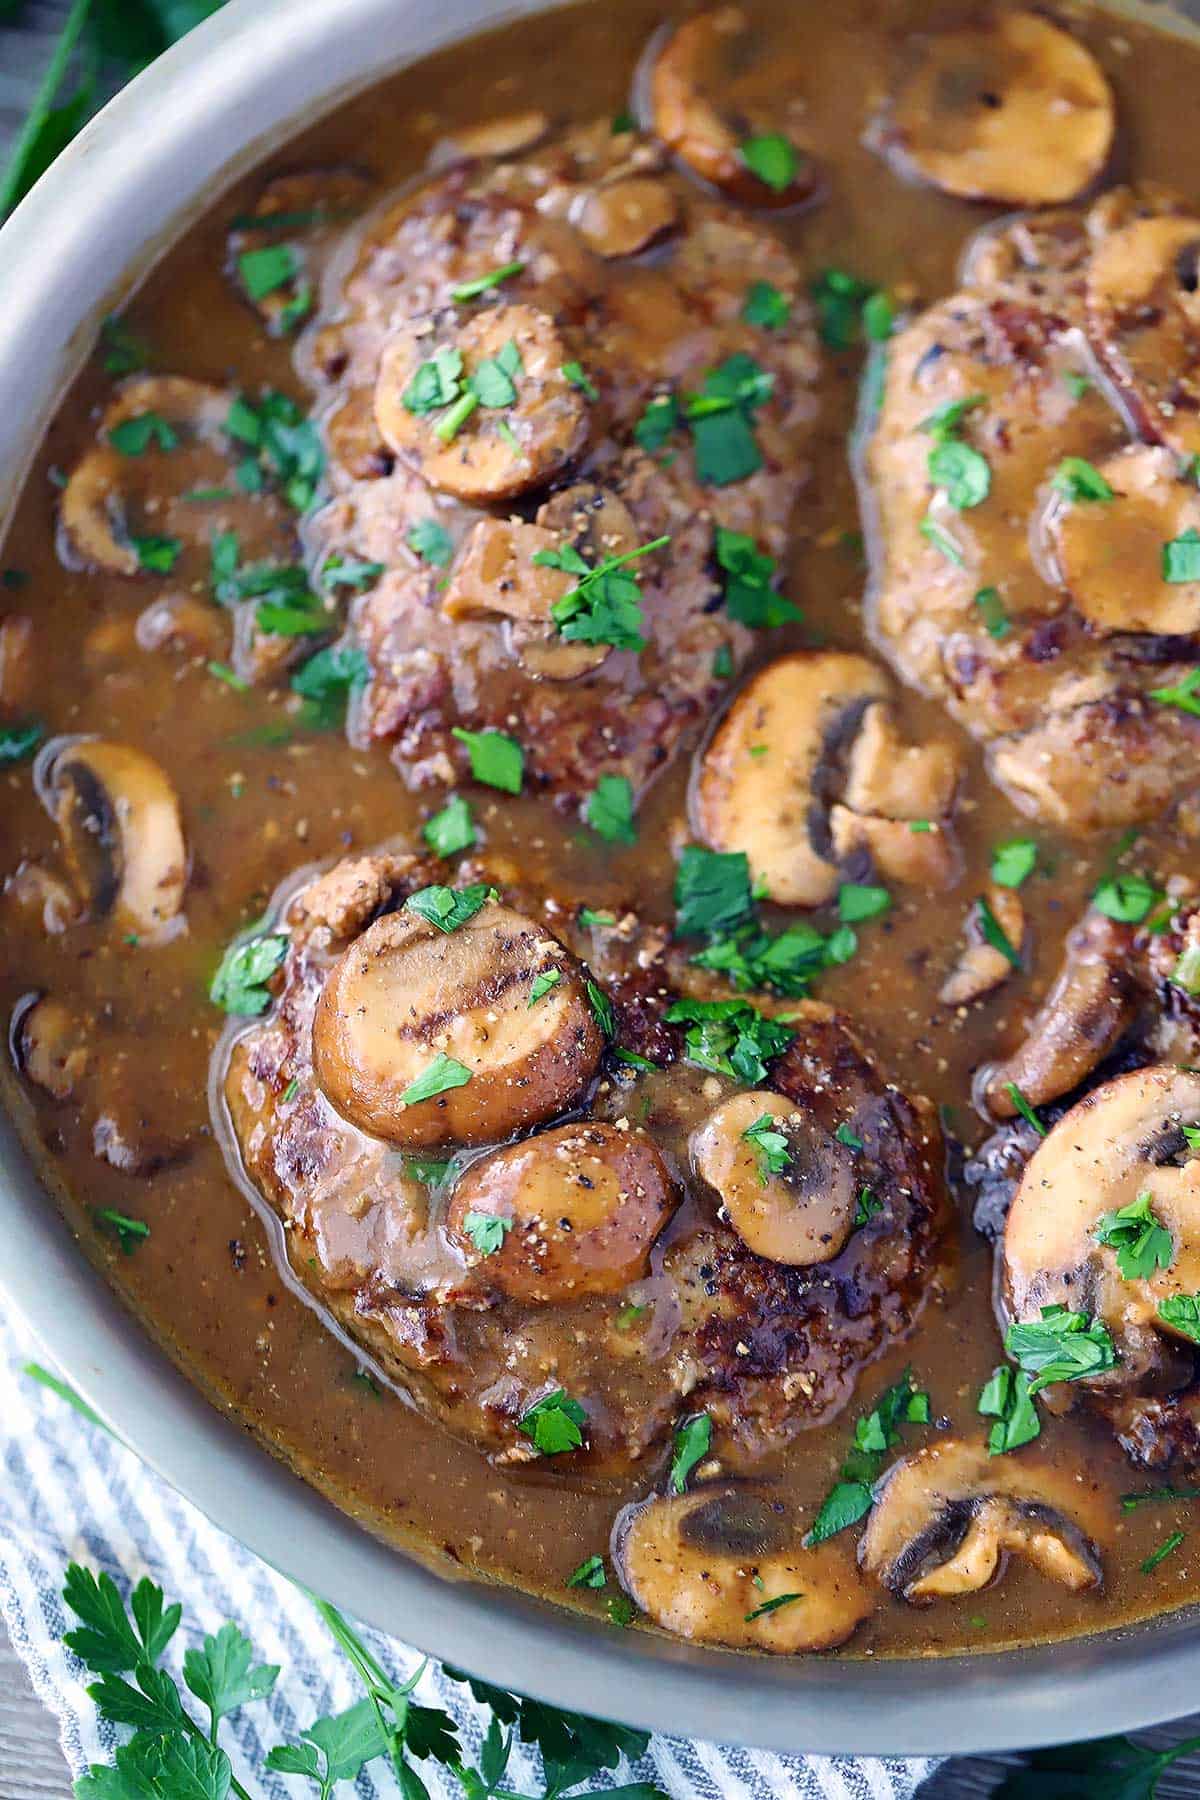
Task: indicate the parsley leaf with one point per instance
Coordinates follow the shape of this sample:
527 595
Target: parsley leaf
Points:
1165 1549
609 809
1080 480
443 1073
1126 898
487 1231
842 301
962 471
496 759
542 985
447 908
1023 1107
266 270
857 903
1060 1346
875 1433
1182 1313
17 742
765 305
1141 1242
605 605
770 1145
749 596
452 829
996 621
720 420
693 1440
223 1674
471 290
156 553
657 423
128 1232
712 890
772 159
1181 557
1013 862
1006 1399
240 983
133 437
602 1009
1182 695
555 1423
731 1037
329 678
942 542
589 1574
770 1606
577 376
430 540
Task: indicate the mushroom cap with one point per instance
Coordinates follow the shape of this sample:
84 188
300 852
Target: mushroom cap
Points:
1111 1148
704 1564
801 1215
405 991
1013 109
946 1518
622 217
583 1204
120 828
932 860
765 804
498 452
709 92
884 775
50 1044
1143 319
1108 554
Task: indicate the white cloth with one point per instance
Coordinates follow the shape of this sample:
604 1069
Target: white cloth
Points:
70 1492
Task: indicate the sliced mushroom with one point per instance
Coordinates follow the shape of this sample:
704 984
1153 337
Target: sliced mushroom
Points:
708 96
929 859
50 1047
946 1519
1086 1012
983 965
406 993
297 216
182 625
886 775
725 1565
799 707
1143 320
624 216
93 506
1028 255
121 832
496 573
1109 554
801 1214
581 1207
1112 1147
38 889
497 451
1012 109
505 136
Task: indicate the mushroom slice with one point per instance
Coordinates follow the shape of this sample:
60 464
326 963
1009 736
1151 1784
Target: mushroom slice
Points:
1039 256
501 446
1012 109
1112 1148
983 965
922 859
765 802
799 1210
624 216
1109 554
1088 1009
897 780
93 506
276 250
1143 318
946 1519
505 136
406 994
121 832
49 1045
725 1565
579 1208
710 92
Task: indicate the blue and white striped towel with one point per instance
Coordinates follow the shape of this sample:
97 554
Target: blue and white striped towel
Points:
69 1491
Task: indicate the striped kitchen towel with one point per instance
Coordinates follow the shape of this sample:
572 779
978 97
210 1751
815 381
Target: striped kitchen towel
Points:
71 1492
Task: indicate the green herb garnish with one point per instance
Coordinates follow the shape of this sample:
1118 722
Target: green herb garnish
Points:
471 290
1080 480
693 1441
875 1433
1013 862
240 983
450 830
555 1423
443 1073
770 1145
1181 557
772 159
609 809
1006 1399
487 1231
448 908
1060 1346
496 759
1142 1243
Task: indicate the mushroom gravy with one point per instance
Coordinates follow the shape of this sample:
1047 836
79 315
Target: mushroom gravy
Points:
765 1246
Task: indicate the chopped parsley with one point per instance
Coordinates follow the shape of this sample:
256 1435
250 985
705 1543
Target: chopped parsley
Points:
770 1606
576 376
447 908
722 663
1126 898
1165 1549
770 1146
609 809
240 983
857 903
995 934
222 672
1080 480
765 305
1060 1346
605 605
946 420
845 1135
602 1009
847 308
1156 1496
483 284
712 890
589 1574
443 1073
962 471
452 829
133 437
267 270
1013 862
542 984
693 1441
1142 1243
1006 1399
157 554
284 444
730 1037
942 542
720 419
657 423
1186 973
875 1433
435 383
771 159
328 679
868 1206
496 759
748 572
124 351
17 742
555 1423
1182 1313
349 572
996 621
1181 557
487 1231
1023 1107
1182 695
494 379
430 540
129 1232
